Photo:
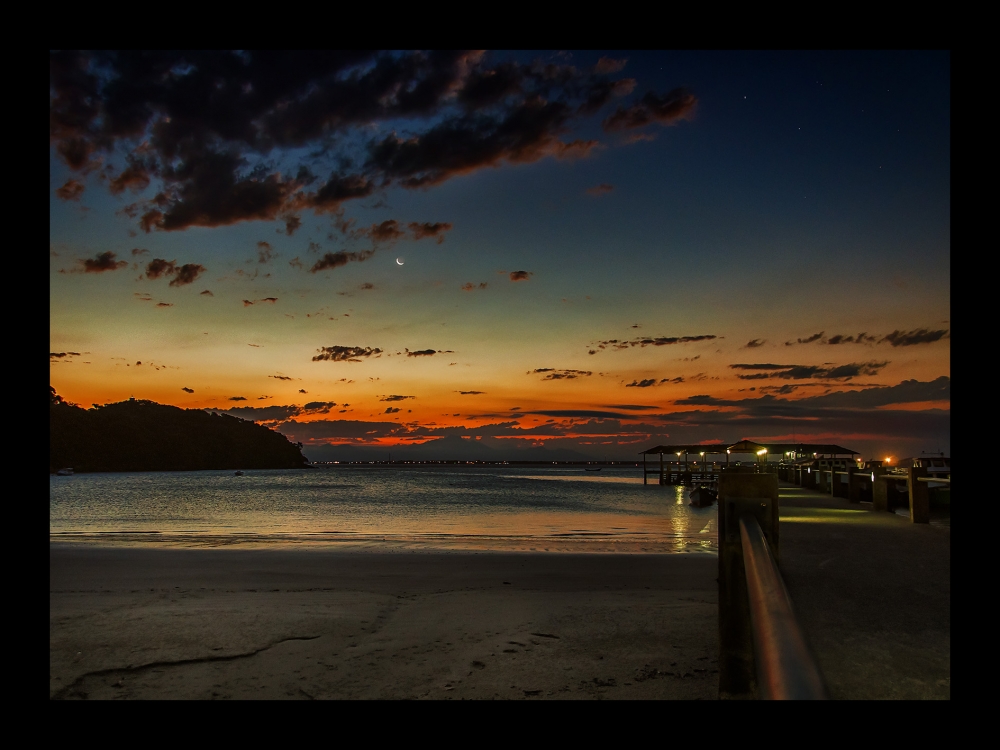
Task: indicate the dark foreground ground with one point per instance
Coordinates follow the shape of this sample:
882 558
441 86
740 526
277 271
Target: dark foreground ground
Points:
168 623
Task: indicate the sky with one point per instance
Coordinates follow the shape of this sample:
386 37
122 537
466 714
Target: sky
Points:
509 255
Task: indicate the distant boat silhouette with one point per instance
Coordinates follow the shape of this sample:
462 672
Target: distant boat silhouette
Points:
597 469
65 472
238 474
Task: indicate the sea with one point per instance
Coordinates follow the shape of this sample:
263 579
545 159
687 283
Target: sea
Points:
384 507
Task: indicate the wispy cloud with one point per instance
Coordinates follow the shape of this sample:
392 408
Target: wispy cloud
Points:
345 353
552 373
801 372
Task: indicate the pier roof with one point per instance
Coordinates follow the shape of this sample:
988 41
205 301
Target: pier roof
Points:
749 446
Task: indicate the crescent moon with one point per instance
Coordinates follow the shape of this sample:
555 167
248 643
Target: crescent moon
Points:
399 261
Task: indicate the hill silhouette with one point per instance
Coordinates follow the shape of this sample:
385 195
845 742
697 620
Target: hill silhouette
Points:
141 435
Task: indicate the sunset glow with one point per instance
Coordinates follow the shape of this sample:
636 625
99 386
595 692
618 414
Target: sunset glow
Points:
509 255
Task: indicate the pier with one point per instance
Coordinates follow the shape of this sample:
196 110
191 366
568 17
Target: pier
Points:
825 591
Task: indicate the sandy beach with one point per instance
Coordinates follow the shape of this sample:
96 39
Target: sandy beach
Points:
129 623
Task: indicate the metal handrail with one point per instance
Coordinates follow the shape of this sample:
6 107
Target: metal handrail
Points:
933 478
785 668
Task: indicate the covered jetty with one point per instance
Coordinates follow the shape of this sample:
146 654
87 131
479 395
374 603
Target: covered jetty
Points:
695 462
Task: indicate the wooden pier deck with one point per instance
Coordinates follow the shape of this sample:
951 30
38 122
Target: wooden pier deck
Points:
872 592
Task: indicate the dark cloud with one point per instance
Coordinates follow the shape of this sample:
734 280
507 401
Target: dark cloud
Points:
367 285
139 251
429 229
135 177
237 398
421 353
553 374
187 274
609 65
292 223
188 390
302 390
520 275
583 413
164 304
391 410
395 398
264 252
344 353
159 267
755 343
803 372
71 190
917 336
386 232
641 383
470 286
472 393
269 300
601 189
861 338
103 262
341 258
280 377
658 341
666 110
247 303
261 413
207 292
317 407
204 124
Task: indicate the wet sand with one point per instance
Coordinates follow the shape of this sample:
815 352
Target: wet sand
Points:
323 623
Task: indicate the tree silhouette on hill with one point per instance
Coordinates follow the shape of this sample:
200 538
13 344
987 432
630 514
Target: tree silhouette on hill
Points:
142 435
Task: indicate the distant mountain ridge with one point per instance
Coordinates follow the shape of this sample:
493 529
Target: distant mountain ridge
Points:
141 435
451 448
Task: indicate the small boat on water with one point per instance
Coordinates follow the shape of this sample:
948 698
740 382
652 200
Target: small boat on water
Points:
597 469
702 496
65 472
238 474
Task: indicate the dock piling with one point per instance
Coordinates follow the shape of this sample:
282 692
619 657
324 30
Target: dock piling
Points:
920 508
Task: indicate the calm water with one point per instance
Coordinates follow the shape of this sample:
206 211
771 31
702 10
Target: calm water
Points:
463 507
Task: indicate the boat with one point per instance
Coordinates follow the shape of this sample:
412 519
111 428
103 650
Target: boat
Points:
702 496
597 469
238 474
67 472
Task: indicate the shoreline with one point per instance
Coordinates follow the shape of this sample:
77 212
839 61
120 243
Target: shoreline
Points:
583 544
131 622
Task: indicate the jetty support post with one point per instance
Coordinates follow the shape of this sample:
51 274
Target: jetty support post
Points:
854 484
839 488
880 491
833 480
920 507
661 467
740 493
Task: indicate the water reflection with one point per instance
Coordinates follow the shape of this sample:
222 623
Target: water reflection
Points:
454 507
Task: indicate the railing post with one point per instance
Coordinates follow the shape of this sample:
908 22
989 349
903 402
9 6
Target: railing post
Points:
740 492
853 484
840 489
661 467
920 507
